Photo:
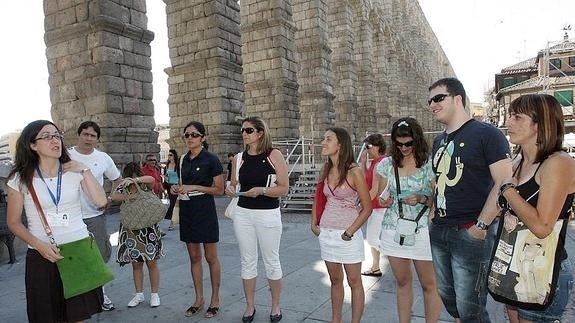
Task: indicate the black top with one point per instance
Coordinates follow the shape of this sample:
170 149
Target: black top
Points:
254 172
201 170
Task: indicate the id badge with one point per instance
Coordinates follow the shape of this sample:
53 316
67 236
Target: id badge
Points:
60 219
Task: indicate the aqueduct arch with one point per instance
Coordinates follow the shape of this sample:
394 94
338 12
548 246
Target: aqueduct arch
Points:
303 65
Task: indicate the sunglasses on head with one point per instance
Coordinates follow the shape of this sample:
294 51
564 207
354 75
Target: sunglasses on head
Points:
193 135
403 144
249 130
437 98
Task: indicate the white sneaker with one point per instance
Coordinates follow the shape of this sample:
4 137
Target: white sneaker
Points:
136 300
154 300
108 305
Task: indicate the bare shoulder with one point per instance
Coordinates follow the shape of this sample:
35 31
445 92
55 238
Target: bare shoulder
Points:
559 163
276 153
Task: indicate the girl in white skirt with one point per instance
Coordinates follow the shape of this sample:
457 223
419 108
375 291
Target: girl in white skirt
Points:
409 154
340 237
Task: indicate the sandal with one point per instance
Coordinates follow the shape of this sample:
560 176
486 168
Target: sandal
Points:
193 310
372 273
211 312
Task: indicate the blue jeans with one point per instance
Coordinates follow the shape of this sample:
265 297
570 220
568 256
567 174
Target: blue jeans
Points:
460 263
555 310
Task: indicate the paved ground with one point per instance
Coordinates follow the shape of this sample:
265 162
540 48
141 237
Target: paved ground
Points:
305 296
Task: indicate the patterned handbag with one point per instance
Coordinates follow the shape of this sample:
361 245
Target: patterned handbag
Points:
141 211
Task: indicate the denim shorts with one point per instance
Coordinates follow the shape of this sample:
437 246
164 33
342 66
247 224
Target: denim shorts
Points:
557 307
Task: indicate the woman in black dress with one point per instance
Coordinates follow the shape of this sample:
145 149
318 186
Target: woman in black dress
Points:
202 178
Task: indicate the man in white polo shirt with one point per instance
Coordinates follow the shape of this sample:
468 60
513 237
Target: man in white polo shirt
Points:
101 164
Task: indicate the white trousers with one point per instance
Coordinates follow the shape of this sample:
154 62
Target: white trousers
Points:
263 227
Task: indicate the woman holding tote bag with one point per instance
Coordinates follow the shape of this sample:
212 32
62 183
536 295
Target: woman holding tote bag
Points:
42 163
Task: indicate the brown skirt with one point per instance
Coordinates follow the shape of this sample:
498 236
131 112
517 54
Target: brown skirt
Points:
45 295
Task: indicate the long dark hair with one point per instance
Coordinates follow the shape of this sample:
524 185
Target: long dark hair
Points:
408 127
200 128
345 158
25 159
176 161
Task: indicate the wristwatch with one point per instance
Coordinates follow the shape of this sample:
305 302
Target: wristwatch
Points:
84 170
481 225
347 235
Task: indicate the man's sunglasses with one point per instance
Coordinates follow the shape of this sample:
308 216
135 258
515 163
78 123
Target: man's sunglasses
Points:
404 144
369 146
249 130
437 98
152 160
193 135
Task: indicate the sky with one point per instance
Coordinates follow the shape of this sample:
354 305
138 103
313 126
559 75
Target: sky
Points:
479 37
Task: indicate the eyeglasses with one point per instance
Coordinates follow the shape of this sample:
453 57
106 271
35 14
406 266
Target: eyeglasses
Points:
193 135
50 137
403 144
249 131
151 160
437 98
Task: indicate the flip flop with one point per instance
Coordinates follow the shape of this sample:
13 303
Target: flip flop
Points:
372 273
193 310
211 312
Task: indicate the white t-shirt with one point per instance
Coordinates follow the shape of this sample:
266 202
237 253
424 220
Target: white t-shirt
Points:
69 204
101 165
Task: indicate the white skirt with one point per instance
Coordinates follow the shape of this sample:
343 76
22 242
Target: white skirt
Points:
421 250
335 249
373 227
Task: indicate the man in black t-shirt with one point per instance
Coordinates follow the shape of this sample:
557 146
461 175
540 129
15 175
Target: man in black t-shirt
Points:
470 160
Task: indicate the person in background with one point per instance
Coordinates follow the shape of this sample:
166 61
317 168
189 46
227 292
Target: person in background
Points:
139 246
202 179
171 177
263 178
374 153
409 153
470 160
544 171
101 165
339 233
150 168
41 162
229 175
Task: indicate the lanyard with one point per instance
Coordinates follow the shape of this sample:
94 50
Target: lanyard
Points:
55 199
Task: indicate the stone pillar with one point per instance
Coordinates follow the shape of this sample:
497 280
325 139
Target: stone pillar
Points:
205 79
382 87
268 51
100 69
341 40
314 75
365 69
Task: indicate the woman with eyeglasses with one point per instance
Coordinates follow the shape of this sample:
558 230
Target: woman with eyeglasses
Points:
202 178
374 153
42 163
339 231
171 177
263 178
409 169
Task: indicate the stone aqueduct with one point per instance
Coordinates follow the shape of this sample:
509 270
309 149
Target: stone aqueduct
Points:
302 65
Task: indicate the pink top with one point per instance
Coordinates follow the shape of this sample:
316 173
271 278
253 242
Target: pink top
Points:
341 207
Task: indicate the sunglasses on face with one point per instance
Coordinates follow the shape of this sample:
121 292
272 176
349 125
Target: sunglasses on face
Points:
403 144
193 135
249 130
437 98
369 146
49 137
152 160
170 155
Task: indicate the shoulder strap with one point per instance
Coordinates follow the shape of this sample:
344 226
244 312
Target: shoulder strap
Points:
42 215
270 159
180 172
239 161
398 188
